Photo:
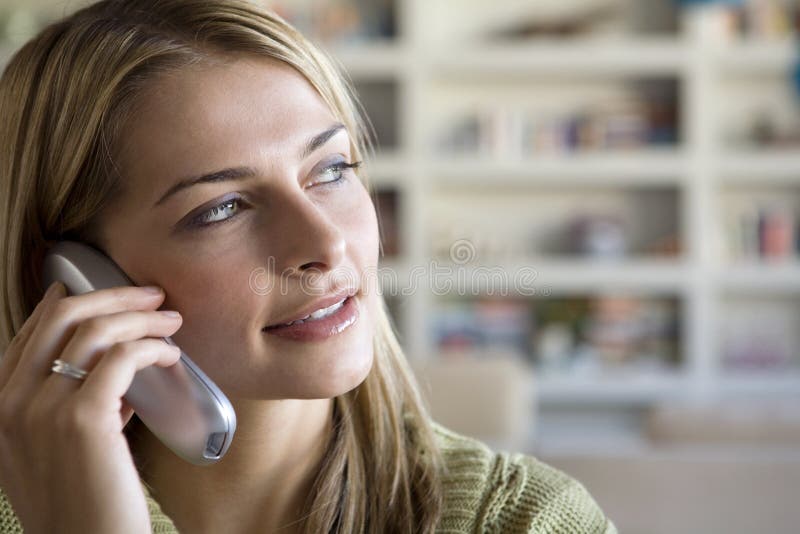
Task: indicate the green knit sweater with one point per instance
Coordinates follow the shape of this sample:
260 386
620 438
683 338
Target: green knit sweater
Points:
484 491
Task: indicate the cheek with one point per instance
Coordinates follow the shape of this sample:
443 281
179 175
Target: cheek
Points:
210 294
362 224
369 248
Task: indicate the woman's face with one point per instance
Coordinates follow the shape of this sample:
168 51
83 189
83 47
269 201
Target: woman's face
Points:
292 235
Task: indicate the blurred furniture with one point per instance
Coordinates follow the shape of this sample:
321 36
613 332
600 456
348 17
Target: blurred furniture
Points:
723 467
693 493
486 396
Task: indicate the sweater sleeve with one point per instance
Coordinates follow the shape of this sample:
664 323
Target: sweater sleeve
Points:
501 492
9 522
160 522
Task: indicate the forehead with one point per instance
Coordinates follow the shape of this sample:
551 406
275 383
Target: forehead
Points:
216 115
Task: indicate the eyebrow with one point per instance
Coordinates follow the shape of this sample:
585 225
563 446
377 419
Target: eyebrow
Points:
241 173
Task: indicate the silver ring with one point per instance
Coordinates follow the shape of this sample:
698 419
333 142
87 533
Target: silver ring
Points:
63 368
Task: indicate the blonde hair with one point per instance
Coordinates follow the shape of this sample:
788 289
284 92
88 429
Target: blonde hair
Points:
64 98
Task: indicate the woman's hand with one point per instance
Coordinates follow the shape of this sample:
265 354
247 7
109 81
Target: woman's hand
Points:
65 464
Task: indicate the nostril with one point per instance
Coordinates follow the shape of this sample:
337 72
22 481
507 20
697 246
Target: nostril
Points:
311 265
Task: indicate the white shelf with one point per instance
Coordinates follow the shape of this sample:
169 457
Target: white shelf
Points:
610 57
755 167
375 59
389 168
761 277
549 276
610 445
751 57
6 52
760 384
645 167
629 446
628 388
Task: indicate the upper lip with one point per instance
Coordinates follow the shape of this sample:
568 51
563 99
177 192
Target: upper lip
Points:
318 304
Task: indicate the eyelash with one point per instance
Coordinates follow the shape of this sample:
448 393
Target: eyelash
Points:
196 223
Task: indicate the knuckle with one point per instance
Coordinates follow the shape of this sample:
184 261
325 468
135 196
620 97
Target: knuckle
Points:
63 309
122 355
28 419
92 327
13 345
122 295
130 298
73 418
8 354
120 351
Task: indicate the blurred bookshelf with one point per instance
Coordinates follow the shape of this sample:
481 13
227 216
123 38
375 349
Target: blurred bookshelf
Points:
617 163
640 158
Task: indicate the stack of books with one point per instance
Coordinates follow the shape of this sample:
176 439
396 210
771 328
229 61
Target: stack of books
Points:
573 335
755 19
632 122
765 233
340 21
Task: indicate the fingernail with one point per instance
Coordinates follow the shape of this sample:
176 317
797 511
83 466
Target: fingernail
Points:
170 313
153 290
50 289
54 288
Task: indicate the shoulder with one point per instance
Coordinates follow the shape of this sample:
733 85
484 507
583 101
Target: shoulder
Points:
489 491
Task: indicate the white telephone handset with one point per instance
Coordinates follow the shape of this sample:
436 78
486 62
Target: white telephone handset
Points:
180 405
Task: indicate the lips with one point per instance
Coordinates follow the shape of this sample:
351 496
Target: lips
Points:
319 330
314 306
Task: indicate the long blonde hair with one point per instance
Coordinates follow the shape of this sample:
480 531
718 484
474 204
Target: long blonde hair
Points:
64 97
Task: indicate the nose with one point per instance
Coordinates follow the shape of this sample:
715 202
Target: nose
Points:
305 237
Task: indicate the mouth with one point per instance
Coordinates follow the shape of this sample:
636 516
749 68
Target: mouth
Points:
321 324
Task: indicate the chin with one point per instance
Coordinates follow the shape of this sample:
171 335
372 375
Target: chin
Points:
337 380
327 371
329 378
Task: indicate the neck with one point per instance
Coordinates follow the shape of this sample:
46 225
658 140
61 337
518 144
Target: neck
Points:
262 482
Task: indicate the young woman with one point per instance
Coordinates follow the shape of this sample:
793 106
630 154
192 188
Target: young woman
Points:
197 142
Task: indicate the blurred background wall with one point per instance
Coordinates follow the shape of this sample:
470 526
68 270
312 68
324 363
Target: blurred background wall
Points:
590 213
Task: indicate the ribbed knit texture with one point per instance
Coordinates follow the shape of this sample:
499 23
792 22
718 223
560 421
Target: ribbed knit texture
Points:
502 492
484 492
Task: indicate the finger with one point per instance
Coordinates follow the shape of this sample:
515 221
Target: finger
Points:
12 354
96 336
112 376
58 322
